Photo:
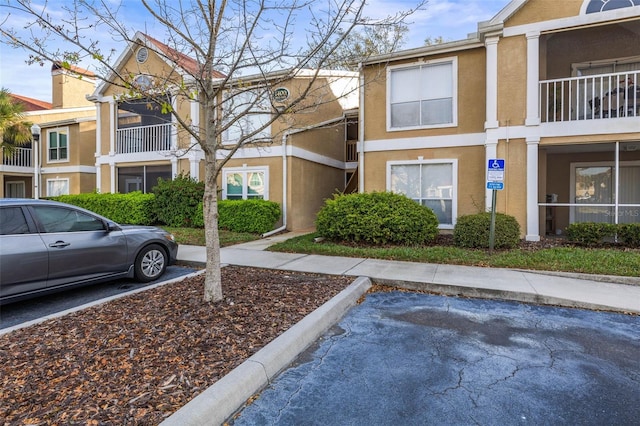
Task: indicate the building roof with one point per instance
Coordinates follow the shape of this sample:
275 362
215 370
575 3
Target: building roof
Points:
183 61
31 104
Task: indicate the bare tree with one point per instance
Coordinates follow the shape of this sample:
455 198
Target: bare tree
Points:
274 41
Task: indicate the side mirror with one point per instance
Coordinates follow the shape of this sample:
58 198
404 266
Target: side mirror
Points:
112 226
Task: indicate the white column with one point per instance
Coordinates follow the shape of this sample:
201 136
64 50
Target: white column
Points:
491 45
112 166
195 152
174 128
533 213
98 152
490 151
533 78
113 125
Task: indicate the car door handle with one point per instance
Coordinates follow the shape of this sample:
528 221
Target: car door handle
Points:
59 244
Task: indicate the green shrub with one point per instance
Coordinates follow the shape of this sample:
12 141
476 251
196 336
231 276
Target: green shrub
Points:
629 234
376 218
177 200
134 208
472 231
254 216
589 233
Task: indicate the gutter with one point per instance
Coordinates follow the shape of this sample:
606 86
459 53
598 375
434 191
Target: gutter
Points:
285 136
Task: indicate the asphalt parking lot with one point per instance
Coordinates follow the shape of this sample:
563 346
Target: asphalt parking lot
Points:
417 359
31 309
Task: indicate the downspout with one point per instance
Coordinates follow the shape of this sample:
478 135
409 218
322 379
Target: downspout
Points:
361 131
284 189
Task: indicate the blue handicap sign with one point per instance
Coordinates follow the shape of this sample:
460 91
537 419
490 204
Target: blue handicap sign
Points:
496 164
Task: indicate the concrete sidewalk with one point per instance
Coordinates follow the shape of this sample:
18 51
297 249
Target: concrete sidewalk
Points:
217 403
611 293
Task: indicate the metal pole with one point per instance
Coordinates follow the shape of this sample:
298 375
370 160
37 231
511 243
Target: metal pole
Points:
492 229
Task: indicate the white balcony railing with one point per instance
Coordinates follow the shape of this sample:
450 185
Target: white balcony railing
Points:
21 157
144 139
593 97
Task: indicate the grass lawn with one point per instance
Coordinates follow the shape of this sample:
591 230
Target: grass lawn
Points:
562 257
548 257
195 236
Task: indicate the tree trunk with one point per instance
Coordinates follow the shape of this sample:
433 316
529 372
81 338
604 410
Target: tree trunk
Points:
213 279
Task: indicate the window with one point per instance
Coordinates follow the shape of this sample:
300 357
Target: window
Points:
57 187
245 184
422 96
15 189
595 6
12 221
252 112
141 178
430 183
58 144
57 219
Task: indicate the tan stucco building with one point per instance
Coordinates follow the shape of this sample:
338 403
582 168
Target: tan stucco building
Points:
62 161
549 87
298 160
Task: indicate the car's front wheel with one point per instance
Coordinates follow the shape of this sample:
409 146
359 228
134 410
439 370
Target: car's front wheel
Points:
150 263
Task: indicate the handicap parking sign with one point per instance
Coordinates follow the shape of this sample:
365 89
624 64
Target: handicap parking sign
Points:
495 173
496 164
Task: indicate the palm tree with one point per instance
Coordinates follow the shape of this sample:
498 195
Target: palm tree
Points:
14 131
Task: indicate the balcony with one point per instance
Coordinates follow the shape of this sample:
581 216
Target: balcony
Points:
21 158
144 139
594 97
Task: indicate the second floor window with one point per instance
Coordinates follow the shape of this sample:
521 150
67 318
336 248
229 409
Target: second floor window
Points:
58 145
421 96
251 111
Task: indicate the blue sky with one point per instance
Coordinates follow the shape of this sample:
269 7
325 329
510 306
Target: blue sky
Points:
451 19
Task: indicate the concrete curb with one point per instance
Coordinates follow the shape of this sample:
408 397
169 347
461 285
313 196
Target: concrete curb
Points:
218 402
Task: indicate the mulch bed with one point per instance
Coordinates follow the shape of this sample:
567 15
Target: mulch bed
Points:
138 359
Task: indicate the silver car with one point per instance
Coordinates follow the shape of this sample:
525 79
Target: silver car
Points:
47 246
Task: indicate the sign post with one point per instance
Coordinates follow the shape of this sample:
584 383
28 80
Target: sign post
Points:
495 182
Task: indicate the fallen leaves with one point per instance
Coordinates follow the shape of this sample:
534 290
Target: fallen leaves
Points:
138 359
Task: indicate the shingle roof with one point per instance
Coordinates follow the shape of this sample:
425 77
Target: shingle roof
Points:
183 61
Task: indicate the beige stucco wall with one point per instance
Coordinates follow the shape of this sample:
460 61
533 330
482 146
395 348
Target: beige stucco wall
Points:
543 10
512 89
512 200
310 185
329 141
69 91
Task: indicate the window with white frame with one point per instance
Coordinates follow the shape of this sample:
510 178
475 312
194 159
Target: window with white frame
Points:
14 189
423 95
250 112
432 183
58 144
57 187
246 184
